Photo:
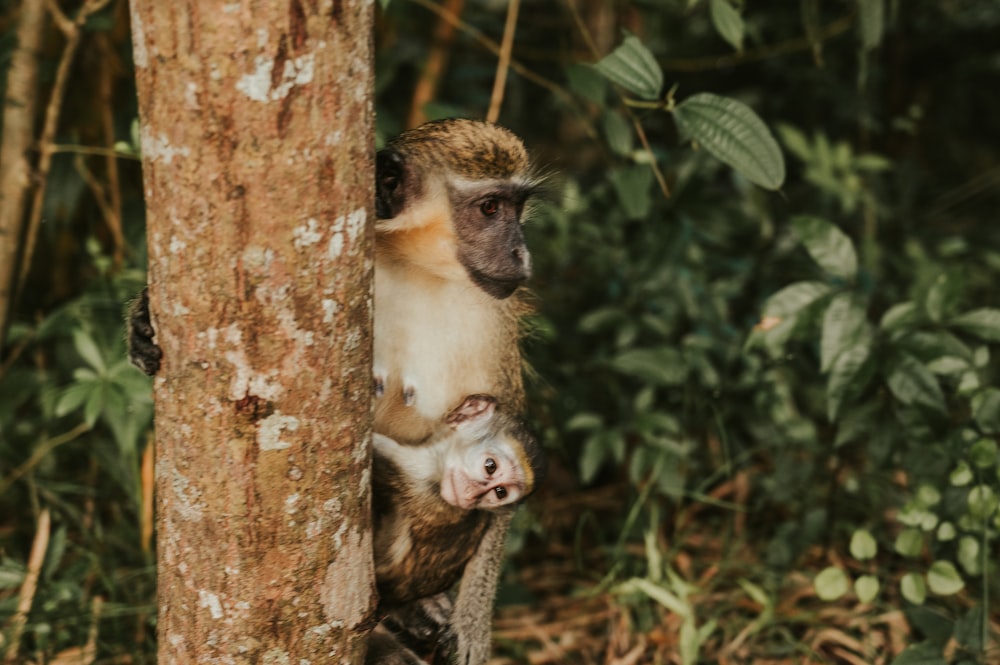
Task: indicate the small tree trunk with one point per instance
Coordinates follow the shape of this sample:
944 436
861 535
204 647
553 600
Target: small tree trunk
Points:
257 157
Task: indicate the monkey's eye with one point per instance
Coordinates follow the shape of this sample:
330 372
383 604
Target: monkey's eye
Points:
489 207
491 467
501 493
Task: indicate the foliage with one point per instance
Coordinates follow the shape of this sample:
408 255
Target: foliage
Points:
768 324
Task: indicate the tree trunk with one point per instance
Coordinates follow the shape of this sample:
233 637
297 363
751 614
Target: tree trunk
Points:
258 172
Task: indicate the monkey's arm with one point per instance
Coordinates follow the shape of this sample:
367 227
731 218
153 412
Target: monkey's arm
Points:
142 351
472 617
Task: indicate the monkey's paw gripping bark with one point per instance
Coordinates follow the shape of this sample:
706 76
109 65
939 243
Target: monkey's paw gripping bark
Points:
142 351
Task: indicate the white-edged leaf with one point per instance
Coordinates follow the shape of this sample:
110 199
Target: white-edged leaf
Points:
728 22
634 68
943 579
792 299
732 133
983 323
828 246
831 583
844 325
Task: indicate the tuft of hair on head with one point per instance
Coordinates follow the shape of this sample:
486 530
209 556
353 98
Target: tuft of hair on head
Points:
472 149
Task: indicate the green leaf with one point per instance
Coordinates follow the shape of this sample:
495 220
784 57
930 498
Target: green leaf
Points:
968 630
656 592
920 654
866 588
584 421
986 409
87 348
618 133
943 579
913 588
73 397
909 542
633 186
945 532
982 502
983 453
828 246
728 22
795 141
871 21
912 383
730 131
902 316
863 545
634 68
662 366
586 82
843 375
794 298
983 323
969 555
595 451
961 475
844 324
831 583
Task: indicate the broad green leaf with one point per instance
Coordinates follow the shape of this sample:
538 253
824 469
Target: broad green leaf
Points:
634 68
871 20
909 542
600 318
902 316
945 532
969 556
87 348
794 298
913 588
982 501
983 323
968 630
943 579
728 22
986 409
74 396
866 588
831 583
795 140
863 545
633 185
595 451
844 325
872 162
983 453
730 131
828 246
584 421
920 654
846 375
11 575
618 133
961 475
912 383
662 366
588 83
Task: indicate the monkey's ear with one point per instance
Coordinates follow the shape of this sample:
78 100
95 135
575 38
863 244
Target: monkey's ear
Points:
472 409
389 190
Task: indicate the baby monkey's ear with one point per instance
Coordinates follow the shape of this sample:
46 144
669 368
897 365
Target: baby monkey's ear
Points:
473 409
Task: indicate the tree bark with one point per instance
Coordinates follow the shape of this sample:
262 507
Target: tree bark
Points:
258 172
20 100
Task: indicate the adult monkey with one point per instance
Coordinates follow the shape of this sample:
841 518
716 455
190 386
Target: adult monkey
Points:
450 258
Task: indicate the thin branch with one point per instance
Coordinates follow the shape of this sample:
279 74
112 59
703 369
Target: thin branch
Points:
437 60
18 132
73 32
106 106
40 452
503 64
29 586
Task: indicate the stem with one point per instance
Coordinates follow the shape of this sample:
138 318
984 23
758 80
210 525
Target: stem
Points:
496 99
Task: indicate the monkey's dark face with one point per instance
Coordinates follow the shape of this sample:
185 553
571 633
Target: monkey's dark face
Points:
491 247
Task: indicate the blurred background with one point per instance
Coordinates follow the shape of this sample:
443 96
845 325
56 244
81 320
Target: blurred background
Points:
772 411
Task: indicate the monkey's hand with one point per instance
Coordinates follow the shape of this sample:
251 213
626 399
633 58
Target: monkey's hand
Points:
425 625
142 351
385 649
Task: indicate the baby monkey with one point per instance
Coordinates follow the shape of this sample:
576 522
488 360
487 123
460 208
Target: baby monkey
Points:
431 505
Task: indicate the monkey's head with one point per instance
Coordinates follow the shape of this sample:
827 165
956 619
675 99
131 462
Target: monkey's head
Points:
494 461
462 184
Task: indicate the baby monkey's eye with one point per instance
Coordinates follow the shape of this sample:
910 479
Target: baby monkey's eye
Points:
501 493
490 466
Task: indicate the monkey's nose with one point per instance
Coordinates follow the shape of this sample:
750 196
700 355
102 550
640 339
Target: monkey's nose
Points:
521 255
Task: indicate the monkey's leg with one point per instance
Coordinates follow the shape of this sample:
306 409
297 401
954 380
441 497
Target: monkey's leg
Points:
142 351
425 624
385 649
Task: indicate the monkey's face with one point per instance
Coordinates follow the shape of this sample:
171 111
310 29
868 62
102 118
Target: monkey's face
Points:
487 476
490 243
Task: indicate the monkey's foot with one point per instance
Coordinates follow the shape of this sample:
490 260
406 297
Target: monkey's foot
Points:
142 351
